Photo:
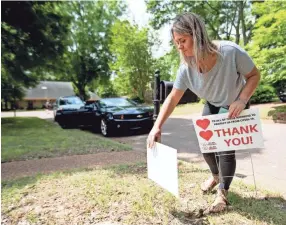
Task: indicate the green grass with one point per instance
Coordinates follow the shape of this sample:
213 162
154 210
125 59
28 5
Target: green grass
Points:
29 138
124 195
270 113
266 112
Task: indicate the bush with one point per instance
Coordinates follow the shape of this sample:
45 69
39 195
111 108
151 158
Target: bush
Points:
202 101
264 93
137 100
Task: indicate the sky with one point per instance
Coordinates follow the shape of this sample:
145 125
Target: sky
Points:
138 13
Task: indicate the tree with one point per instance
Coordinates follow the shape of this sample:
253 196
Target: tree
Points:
32 39
222 18
32 36
168 65
268 44
133 62
87 55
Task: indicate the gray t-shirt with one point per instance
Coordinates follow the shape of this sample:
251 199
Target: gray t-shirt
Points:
222 85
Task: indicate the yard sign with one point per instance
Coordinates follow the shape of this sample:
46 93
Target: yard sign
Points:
217 133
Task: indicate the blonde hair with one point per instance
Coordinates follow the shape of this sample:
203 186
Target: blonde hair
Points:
192 24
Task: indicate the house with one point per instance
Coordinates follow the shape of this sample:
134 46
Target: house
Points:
36 97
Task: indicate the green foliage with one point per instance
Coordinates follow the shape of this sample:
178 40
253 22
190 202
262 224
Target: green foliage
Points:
264 93
168 65
268 44
32 36
87 55
133 59
223 18
106 90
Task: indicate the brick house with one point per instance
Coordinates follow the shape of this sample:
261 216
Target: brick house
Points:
36 97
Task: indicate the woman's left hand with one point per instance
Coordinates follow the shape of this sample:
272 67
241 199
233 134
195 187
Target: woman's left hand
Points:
235 109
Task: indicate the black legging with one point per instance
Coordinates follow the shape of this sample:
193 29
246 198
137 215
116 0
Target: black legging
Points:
224 160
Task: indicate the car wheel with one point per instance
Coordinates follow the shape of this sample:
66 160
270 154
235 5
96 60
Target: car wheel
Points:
105 131
62 125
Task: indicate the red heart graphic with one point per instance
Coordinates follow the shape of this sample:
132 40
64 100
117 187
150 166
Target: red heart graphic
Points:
203 123
206 134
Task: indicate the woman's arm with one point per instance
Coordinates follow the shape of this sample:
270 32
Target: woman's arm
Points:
168 106
252 80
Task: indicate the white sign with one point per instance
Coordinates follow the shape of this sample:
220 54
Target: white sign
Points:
162 167
217 133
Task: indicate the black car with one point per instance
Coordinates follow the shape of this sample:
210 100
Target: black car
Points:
65 110
282 96
111 115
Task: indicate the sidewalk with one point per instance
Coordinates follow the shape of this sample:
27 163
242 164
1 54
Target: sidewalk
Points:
32 167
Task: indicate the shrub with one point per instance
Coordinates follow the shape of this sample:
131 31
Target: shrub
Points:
264 93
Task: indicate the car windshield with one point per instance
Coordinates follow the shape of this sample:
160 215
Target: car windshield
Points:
116 102
70 101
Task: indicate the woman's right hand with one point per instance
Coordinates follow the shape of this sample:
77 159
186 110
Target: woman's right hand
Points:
154 135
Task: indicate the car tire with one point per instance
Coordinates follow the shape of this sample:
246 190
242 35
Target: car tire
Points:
62 125
104 128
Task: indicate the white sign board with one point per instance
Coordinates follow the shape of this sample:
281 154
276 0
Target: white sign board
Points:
217 133
162 167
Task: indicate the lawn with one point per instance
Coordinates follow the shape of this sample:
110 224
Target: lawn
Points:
124 195
28 138
270 113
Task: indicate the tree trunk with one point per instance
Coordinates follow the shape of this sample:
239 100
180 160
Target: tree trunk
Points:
242 19
6 104
237 34
81 91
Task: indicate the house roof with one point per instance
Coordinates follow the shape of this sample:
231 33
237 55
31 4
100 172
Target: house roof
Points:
49 90
53 90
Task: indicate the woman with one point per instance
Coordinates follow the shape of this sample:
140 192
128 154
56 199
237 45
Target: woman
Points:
220 72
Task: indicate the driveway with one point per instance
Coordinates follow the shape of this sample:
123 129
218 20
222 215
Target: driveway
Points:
43 114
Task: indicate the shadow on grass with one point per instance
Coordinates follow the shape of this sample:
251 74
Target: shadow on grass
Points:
278 114
20 182
271 210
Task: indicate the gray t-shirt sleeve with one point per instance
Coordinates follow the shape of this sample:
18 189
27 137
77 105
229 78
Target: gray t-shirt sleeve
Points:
180 82
244 63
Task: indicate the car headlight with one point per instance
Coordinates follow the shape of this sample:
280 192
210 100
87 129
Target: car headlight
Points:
119 117
109 116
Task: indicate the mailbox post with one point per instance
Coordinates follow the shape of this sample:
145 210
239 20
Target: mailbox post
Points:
156 95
